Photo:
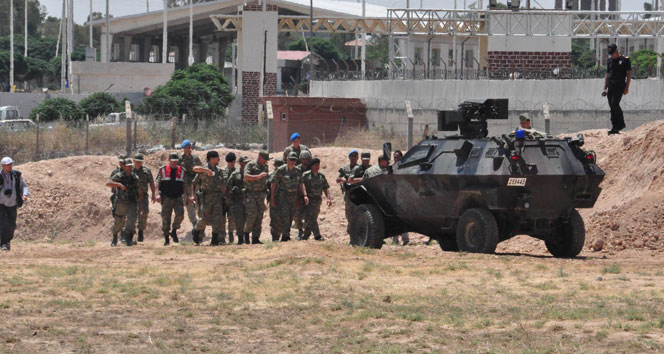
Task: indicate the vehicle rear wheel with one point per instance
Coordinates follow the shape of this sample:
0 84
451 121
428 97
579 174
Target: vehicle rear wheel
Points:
477 231
571 238
367 227
448 243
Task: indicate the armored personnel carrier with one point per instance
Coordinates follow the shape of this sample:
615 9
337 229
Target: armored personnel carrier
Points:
471 192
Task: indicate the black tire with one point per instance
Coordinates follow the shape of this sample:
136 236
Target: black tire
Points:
448 243
477 231
571 238
367 227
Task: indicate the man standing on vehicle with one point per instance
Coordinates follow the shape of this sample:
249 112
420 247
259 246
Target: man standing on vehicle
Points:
14 193
616 84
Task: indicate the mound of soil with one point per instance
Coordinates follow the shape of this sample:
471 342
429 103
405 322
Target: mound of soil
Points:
70 202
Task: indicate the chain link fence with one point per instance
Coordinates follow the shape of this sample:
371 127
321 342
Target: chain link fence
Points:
40 141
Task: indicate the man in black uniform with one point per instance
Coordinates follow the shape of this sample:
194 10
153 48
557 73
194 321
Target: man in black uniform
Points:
616 84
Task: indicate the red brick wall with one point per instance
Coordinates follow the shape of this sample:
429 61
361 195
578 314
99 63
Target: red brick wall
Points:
318 120
501 61
250 99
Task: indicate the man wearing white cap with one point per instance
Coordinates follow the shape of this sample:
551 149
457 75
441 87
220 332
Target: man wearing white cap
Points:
14 193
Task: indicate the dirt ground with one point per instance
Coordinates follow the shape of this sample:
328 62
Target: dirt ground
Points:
64 289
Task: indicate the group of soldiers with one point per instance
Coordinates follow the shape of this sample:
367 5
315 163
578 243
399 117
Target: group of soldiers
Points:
232 198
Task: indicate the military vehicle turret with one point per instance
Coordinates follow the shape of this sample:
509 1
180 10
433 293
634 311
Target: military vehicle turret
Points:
471 192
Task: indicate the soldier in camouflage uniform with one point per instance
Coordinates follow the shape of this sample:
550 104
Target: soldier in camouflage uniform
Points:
358 171
304 165
121 160
188 161
212 187
227 171
295 146
171 189
145 180
344 174
126 183
274 213
284 193
374 171
236 190
315 185
255 179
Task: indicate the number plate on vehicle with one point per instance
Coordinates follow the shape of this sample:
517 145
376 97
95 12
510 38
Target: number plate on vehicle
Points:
516 182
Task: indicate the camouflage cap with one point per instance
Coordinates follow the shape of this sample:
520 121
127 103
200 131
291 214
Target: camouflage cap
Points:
122 157
243 159
293 156
305 155
139 158
173 157
278 162
264 154
523 117
128 162
366 155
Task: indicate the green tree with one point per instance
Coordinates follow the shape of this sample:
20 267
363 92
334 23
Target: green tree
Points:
36 15
20 66
644 63
198 91
100 104
53 108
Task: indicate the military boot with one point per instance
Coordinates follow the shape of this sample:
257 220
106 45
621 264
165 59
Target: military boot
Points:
255 239
246 238
129 239
318 237
123 238
174 236
167 240
194 237
231 239
140 236
114 241
305 236
285 238
240 238
215 239
275 237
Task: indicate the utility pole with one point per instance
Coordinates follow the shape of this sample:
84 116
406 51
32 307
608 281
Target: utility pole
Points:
311 42
364 40
11 45
25 44
164 41
108 37
191 33
63 48
70 44
90 23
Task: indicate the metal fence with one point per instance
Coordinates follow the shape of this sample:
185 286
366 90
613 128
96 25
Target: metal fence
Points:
48 140
441 73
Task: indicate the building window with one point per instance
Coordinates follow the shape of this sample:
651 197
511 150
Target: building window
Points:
450 57
173 55
435 57
154 54
133 52
418 56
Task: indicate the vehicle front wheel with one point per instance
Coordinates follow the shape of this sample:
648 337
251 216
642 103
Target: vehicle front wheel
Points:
477 231
571 238
367 227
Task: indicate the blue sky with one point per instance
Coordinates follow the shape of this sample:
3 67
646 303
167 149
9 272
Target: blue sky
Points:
129 7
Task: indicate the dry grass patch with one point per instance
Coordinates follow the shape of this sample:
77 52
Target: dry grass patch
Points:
311 297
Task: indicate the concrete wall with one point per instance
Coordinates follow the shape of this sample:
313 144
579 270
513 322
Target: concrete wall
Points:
91 77
27 101
574 104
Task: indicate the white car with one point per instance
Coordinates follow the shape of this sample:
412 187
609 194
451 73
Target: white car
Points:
9 113
17 125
